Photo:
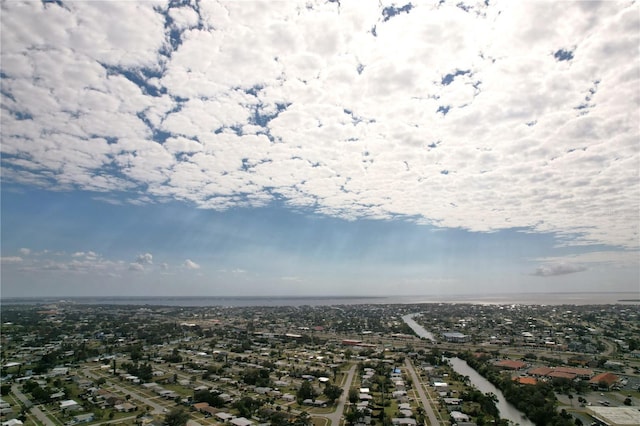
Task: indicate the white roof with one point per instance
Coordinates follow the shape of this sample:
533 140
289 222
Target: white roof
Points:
67 403
240 421
617 415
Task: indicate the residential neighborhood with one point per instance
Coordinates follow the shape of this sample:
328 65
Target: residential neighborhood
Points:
68 364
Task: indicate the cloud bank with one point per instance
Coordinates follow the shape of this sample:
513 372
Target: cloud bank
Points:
556 269
474 116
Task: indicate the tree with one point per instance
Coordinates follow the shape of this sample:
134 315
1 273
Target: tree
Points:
353 416
354 395
332 392
305 392
176 417
302 419
570 396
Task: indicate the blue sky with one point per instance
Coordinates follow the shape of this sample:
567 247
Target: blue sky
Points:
261 148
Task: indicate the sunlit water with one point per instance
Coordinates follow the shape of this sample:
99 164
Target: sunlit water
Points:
237 301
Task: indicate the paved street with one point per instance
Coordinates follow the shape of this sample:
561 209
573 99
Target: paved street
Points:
337 414
433 420
157 408
34 410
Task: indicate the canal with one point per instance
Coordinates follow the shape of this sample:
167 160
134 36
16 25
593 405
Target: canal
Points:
417 328
507 411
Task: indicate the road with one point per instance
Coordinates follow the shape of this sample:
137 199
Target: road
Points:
157 408
337 414
34 410
433 420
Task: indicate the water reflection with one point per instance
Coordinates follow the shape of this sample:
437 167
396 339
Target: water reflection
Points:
507 411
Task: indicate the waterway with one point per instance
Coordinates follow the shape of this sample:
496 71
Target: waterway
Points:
417 328
507 411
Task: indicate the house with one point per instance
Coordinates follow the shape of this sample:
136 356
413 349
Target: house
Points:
69 404
404 421
226 397
12 422
441 386
457 417
315 403
603 381
198 406
526 380
56 395
125 407
562 375
224 417
240 421
395 394
209 411
288 397
540 371
83 418
59 371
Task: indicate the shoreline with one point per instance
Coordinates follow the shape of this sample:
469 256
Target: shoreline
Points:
564 298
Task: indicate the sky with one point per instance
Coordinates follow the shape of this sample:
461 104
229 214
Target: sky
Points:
154 148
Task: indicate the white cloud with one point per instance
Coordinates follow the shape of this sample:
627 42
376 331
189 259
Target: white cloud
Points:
262 100
626 258
25 251
190 264
136 267
558 269
144 259
11 259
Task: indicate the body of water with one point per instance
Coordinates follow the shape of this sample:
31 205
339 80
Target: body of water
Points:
417 328
236 301
507 411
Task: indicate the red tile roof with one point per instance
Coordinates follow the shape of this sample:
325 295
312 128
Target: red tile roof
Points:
577 371
526 380
608 378
540 371
511 364
200 405
562 375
